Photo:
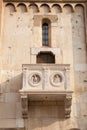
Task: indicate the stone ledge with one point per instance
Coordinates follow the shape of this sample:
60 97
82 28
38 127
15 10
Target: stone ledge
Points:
35 51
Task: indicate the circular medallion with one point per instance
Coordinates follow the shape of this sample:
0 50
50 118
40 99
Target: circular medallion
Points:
57 79
34 79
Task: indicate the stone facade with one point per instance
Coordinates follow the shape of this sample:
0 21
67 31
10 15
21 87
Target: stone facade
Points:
34 96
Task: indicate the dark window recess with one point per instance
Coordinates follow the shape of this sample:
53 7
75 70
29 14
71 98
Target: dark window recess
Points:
45 57
45 34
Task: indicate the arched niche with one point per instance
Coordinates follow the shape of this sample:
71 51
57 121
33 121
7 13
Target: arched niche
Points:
22 8
33 8
56 8
79 9
79 13
45 57
10 8
67 9
44 8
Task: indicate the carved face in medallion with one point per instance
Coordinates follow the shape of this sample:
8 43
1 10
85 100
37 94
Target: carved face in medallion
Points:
35 79
57 79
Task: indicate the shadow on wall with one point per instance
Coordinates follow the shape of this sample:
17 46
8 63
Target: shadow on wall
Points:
41 114
11 85
50 123
10 105
74 129
53 123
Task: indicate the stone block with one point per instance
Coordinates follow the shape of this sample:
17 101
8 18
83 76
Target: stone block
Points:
12 97
7 110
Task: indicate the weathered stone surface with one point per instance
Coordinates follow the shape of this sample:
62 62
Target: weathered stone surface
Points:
20 43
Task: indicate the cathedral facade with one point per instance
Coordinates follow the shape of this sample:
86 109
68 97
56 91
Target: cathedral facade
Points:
43 64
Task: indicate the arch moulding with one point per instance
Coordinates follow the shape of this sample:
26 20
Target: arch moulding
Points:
45 0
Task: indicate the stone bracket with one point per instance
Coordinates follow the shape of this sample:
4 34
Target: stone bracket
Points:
24 104
46 82
68 103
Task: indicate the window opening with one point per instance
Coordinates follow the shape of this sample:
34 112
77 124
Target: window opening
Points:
45 34
46 57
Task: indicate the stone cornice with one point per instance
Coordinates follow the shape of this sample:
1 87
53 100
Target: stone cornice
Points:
82 1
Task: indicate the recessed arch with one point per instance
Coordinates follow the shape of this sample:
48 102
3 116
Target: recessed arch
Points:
46 57
33 8
10 8
56 8
47 20
44 8
67 8
79 8
21 8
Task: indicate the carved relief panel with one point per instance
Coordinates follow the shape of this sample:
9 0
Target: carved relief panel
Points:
46 77
46 82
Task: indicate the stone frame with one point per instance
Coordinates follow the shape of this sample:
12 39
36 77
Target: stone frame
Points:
61 76
30 81
56 51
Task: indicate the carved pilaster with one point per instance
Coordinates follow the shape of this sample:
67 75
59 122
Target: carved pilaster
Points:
67 77
24 104
68 102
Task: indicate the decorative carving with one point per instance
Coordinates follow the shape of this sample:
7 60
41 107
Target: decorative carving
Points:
68 102
24 103
67 77
57 79
38 83
34 79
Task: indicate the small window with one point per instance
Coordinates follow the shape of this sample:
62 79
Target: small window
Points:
46 31
45 34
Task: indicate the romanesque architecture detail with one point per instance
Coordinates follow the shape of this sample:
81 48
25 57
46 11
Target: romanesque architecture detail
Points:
24 104
57 79
47 81
68 102
50 76
43 64
34 79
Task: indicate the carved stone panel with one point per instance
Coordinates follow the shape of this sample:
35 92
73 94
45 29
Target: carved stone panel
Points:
57 79
68 102
46 82
45 77
34 79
